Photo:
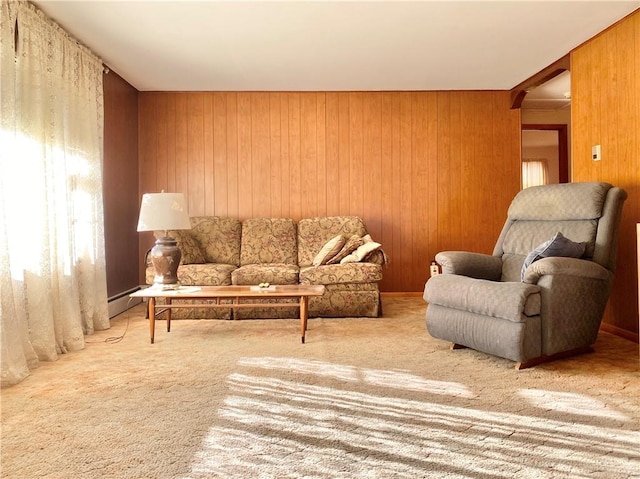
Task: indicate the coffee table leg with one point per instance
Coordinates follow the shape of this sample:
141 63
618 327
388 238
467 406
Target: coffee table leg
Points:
152 317
304 313
169 315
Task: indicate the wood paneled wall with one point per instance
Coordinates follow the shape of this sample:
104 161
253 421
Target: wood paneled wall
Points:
605 97
120 184
427 171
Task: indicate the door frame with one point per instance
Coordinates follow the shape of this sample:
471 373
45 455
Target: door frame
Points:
563 146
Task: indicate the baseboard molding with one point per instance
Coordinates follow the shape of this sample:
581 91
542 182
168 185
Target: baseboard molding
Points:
401 294
623 333
119 303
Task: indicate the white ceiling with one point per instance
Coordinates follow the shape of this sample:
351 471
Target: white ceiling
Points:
554 95
335 45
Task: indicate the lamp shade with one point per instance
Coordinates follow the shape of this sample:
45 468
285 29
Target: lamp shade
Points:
162 212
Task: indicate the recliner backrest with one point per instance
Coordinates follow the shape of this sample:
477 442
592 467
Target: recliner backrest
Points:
583 212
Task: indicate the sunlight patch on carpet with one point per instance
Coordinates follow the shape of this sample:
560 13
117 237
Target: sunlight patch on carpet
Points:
570 403
387 378
360 423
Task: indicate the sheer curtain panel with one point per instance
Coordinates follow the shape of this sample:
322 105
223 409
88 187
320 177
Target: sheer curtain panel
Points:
534 172
52 267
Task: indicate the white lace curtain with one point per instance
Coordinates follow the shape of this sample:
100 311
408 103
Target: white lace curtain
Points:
534 172
52 265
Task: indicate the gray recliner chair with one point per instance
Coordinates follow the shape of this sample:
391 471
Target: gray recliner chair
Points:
541 295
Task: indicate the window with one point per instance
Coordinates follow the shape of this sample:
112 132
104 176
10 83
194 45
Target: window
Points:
535 172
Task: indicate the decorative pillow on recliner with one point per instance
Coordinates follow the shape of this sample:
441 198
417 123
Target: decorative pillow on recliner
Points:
329 250
556 246
349 247
189 247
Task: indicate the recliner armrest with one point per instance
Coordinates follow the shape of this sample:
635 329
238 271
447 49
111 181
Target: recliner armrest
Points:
581 268
473 265
512 301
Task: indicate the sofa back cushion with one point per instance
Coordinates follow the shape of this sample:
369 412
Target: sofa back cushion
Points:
268 240
189 247
219 238
313 234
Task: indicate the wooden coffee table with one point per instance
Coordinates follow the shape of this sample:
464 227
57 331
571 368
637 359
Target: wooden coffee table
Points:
232 296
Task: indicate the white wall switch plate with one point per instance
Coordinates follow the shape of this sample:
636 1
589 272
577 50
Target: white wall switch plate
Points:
434 269
595 153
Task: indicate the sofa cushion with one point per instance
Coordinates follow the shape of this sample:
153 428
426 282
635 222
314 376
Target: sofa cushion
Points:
209 274
219 238
189 247
341 273
313 233
253 274
346 300
350 245
268 240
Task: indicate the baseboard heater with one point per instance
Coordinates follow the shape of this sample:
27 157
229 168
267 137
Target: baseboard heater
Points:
120 302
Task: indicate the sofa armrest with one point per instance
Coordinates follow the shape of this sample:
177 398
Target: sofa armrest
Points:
473 265
378 257
580 268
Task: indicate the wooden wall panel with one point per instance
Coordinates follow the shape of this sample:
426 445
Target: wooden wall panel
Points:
275 158
195 154
147 151
427 171
284 156
209 165
171 142
245 163
221 158
120 184
321 154
605 110
343 152
388 188
295 188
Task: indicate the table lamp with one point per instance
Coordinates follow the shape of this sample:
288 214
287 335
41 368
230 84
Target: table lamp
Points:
162 212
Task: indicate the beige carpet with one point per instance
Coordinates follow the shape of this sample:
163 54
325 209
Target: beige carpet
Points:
364 398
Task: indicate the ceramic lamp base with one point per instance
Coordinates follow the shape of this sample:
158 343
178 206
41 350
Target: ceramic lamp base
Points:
165 257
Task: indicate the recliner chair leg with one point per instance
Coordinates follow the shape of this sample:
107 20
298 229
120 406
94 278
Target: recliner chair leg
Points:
553 357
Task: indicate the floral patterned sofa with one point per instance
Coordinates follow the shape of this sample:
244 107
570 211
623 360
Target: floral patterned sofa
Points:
325 250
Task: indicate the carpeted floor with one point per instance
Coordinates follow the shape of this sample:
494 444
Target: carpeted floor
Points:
363 398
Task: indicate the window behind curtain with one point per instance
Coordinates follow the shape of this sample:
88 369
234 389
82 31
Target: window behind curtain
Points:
535 172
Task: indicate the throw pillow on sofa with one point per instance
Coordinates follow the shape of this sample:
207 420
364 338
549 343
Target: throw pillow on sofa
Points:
349 247
329 250
365 249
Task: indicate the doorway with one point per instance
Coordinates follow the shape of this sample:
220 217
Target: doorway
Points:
546 119
548 144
